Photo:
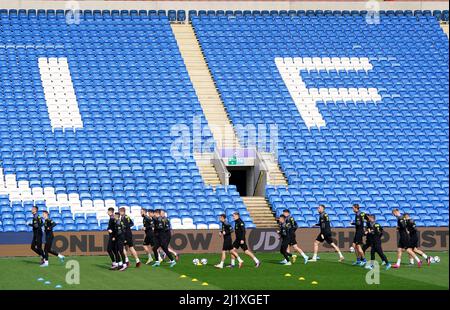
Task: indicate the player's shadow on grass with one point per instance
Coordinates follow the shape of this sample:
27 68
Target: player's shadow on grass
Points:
102 266
30 261
273 262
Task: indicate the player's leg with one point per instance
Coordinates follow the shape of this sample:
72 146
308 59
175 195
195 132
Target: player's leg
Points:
165 247
148 251
121 250
285 253
222 260
125 252
372 259
235 253
33 246
316 249
156 246
46 251
251 255
174 253
39 249
112 254
399 258
357 254
335 247
135 255
416 258
383 257
300 251
423 254
53 252
361 253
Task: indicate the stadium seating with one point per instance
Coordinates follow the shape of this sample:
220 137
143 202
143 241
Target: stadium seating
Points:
382 151
123 73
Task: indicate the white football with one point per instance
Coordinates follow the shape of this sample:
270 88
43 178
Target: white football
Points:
195 261
204 261
352 249
437 259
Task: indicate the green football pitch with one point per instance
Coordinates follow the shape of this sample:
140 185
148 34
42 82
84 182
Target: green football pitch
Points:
327 273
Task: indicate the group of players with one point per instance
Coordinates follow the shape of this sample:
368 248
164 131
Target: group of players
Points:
366 227
157 236
37 224
156 226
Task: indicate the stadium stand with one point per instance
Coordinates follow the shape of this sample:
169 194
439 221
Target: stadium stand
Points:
130 84
373 128
86 111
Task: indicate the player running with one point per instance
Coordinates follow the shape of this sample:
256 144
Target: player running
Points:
403 241
225 233
36 224
162 237
325 234
375 232
292 226
128 242
119 238
112 241
239 230
148 227
360 219
414 240
284 232
49 224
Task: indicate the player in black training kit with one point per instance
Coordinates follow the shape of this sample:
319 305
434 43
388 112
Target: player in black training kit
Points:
325 234
162 237
119 238
48 228
403 241
36 225
375 231
292 226
239 230
284 233
149 228
414 240
225 233
128 223
112 241
360 220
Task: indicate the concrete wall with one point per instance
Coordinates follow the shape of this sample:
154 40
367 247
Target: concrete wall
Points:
224 5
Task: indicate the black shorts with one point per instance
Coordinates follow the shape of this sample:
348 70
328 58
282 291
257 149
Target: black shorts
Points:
128 240
149 239
324 237
237 244
292 239
403 242
358 239
227 244
413 242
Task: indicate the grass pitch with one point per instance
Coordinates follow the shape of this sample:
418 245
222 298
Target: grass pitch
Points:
23 273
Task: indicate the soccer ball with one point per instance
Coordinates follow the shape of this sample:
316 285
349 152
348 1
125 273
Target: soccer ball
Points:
195 261
437 259
204 261
352 249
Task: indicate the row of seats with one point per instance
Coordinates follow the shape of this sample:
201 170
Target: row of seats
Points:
180 15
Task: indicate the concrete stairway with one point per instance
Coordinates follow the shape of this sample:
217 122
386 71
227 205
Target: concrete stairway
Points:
444 27
276 176
219 123
205 88
260 212
207 170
